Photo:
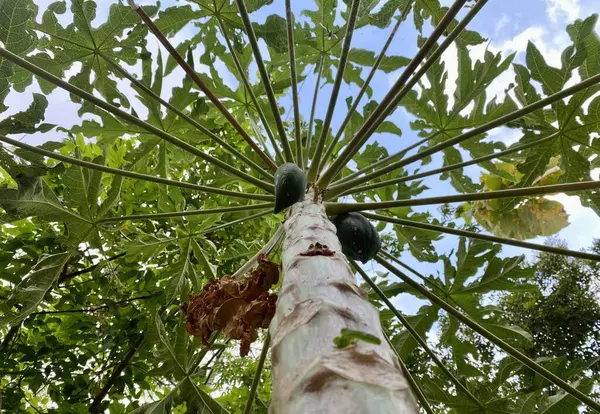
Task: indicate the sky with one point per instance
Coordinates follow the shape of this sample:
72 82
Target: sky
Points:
507 24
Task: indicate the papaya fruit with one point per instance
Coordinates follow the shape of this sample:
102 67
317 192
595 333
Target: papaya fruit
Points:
358 237
290 186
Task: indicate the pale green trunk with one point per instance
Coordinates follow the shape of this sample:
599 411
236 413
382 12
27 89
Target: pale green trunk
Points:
317 299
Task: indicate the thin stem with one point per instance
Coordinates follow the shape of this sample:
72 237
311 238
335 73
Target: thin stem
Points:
115 374
132 174
186 117
234 222
215 357
338 208
194 76
132 119
248 85
12 332
257 374
97 308
315 165
361 136
383 161
412 270
479 130
295 100
312 110
64 277
437 53
410 379
486 237
424 68
159 216
337 190
266 250
278 155
199 357
416 335
367 82
515 353
265 79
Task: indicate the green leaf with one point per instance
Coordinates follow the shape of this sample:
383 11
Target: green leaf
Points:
34 198
469 258
209 269
535 217
367 58
30 292
178 359
19 39
501 274
552 79
29 121
422 322
198 399
84 43
510 333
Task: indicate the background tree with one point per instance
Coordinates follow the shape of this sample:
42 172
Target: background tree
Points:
163 184
563 313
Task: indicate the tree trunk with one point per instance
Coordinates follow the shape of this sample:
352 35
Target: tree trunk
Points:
319 298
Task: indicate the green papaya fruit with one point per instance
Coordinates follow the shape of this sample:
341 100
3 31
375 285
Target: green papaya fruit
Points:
359 238
290 186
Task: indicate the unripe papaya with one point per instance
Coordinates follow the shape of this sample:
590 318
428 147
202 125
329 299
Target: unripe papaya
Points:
290 186
359 238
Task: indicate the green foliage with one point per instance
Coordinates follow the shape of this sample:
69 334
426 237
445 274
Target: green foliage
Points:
562 313
90 311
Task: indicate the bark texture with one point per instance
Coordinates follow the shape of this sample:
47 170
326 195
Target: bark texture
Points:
319 298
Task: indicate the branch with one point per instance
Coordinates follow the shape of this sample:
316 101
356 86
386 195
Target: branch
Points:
116 373
64 277
257 374
186 117
132 174
338 208
384 161
295 100
410 379
313 108
480 129
367 82
361 136
194 77
415 335
509 349
315 165
486 237
248 86
132 119
420 73
172 214
264 75
231 223
97 308
346 189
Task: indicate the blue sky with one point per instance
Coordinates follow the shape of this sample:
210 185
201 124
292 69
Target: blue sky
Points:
507 24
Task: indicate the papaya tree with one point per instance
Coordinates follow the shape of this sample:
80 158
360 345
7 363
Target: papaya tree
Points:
184 199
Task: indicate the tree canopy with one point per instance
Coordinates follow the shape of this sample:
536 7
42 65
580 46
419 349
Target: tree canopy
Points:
164 180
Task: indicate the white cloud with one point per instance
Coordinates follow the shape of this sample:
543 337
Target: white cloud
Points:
501 24
581 220
558 8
